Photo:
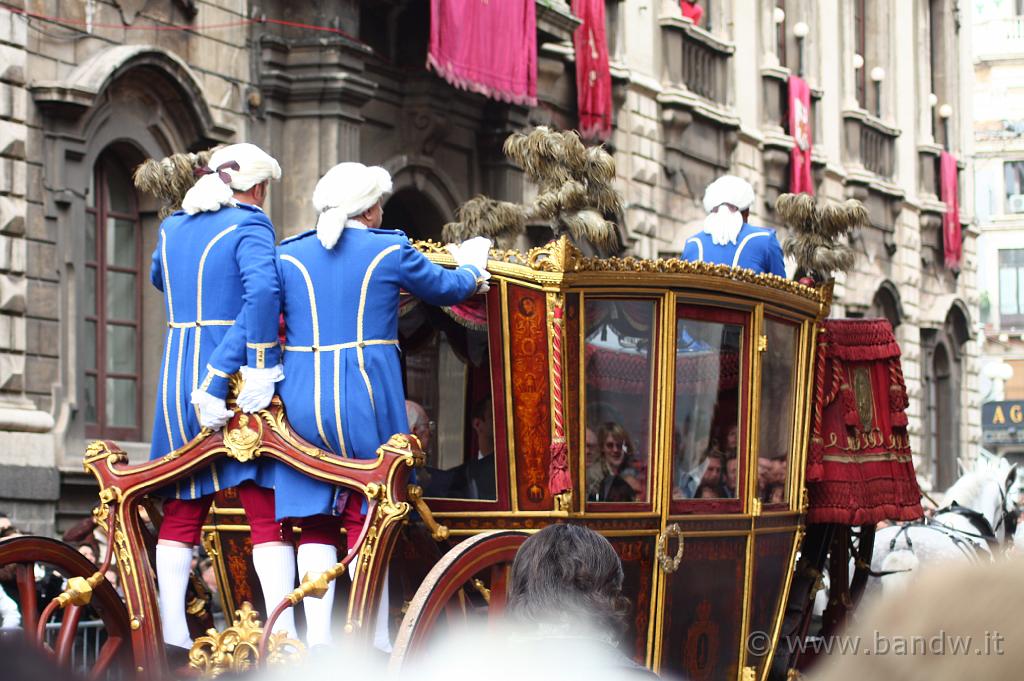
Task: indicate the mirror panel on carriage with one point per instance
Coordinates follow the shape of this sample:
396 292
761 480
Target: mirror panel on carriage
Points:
775 432
619 388
707 432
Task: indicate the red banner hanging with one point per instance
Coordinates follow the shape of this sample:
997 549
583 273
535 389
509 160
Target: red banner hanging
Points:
800 128
486 47
949 186
593 78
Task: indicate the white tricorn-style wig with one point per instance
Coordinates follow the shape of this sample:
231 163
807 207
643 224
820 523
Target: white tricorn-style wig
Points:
345 191
728 189
236 167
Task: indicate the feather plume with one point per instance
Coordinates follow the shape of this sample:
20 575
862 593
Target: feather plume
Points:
500 221
818 232
170 178
574 192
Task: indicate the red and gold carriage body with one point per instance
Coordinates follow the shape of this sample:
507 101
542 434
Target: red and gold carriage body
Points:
673 361
674 368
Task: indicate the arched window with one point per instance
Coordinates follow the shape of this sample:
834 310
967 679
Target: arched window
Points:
112 302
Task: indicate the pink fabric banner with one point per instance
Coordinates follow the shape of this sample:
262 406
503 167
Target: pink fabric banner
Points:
486 46
691 10
800 129
593 79
949 187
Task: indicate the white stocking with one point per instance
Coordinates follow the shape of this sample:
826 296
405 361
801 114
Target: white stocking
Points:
173 566
275 566
314 559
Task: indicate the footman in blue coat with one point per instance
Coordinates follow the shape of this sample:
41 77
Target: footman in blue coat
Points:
727 238
215 260
342 388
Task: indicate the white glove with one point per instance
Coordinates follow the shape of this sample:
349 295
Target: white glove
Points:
474 252
213 413
259 387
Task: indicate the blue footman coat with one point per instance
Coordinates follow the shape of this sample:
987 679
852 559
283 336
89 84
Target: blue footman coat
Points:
343 388
756 248
211 267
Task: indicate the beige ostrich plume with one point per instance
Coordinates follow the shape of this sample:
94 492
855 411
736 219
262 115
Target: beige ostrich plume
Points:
817 232
574 193
170 178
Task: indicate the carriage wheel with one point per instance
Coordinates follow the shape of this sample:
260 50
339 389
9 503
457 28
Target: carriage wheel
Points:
24 553
477 568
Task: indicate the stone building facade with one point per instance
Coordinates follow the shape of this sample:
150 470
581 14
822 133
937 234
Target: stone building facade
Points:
89 88
999 196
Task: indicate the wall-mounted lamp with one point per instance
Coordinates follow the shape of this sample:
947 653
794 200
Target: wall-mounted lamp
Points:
945 112
877 76
800 31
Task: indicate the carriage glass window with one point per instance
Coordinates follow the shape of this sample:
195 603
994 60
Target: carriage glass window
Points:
706 438
448 391
619 382
775 439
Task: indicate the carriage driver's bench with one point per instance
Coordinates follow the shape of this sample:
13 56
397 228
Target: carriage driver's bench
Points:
123 487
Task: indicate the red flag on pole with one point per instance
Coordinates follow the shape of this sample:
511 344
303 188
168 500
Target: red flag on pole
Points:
593 78
949 188
486 47
800 128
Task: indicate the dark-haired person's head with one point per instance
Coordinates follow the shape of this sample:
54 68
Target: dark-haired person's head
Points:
568 574
483 424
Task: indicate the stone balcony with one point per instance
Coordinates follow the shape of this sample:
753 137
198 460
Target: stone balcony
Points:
701 129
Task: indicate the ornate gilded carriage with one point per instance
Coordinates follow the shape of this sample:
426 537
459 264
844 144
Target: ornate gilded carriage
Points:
673 365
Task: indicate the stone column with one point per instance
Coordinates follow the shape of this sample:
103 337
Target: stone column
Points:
28 477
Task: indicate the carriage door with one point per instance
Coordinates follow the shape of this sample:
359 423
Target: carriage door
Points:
702 550
775 484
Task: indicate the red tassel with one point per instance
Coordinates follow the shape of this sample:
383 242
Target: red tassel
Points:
559 479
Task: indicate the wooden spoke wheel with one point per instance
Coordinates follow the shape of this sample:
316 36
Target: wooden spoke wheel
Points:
114 654
473 576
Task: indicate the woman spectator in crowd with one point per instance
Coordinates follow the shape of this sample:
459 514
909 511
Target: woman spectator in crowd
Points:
605 478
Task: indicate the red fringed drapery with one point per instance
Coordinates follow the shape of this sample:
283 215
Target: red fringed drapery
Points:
859 468
486 47
593 78
952 241
800 129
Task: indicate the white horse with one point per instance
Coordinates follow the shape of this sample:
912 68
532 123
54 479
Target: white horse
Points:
976 524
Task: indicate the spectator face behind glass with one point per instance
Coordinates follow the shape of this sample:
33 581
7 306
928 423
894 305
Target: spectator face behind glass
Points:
777 474
568 575
5 522
706 491
731 472
732 438
419 424
713 473
764 474
613 448
483 425
593 450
